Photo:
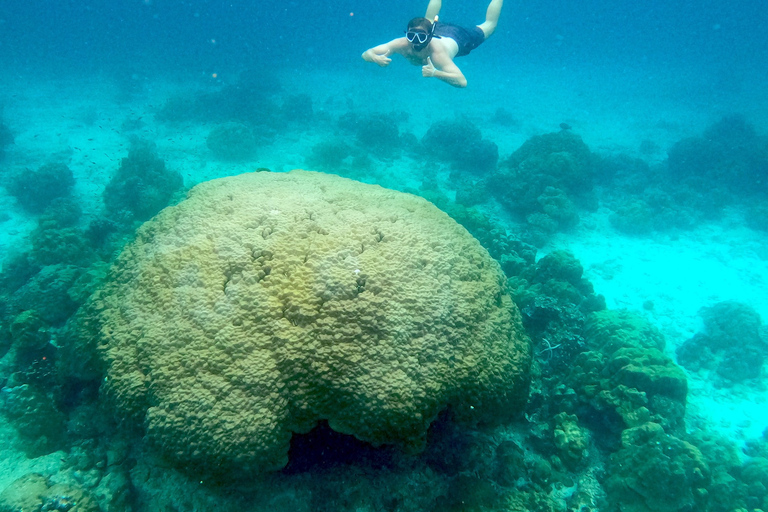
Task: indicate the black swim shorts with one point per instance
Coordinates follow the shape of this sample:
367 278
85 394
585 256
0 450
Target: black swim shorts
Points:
467 38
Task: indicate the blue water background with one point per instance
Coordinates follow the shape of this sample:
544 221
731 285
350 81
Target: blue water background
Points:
720 40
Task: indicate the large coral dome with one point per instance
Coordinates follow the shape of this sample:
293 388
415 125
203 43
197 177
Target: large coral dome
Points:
267 302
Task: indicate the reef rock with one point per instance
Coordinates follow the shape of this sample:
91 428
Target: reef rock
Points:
265 303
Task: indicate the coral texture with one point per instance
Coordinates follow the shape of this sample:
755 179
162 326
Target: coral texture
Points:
625 371
656 472
264 303
33 491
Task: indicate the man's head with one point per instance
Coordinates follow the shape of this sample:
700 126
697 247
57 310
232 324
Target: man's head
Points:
419 33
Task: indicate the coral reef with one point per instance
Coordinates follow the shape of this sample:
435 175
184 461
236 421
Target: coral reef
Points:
729 155
553 297
53 244
35 190
460 143
232 141
556 205
29 331
33 412
48 293
252 289
63 212
377 134
559 159
249 100
17 269
571 440
727 165
656 472
756 215
339 155
625 379
633 217
754 475
544 180
30 360
142 185
504 117
330 154
729 485
733 343
36 492
293 298
297 109
6 138
660 205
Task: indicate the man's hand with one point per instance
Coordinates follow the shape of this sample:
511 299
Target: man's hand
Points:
382 60
429 69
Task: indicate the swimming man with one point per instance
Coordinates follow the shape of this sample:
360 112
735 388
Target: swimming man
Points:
434 44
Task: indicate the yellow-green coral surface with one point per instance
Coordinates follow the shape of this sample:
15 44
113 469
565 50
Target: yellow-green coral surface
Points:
266 302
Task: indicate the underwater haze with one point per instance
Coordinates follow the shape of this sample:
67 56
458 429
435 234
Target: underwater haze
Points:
243 268
72 38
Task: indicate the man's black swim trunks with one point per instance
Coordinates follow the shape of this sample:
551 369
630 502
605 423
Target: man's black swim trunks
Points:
467 38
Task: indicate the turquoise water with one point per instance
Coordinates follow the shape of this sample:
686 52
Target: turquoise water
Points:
612 158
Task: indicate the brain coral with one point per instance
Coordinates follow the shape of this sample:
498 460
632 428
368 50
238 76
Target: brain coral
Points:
265 302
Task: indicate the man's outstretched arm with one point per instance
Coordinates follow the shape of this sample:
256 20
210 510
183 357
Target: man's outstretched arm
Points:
380 54
433 9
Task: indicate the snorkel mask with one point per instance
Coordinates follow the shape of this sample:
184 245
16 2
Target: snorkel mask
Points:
417 36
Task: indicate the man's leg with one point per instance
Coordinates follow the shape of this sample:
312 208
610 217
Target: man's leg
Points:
433 9
491 17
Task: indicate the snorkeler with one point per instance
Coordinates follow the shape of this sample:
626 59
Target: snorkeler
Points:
433 45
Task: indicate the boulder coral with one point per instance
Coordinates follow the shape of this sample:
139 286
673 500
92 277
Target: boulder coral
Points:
267 302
